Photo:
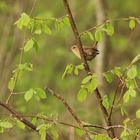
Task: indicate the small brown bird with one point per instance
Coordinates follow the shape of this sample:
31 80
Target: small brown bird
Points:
90 52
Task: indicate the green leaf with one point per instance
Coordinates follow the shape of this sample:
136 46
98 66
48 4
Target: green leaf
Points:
117 71
34 120
109 29
68 70
42 130
108 76
28 94
86 79
54 133
132 92
5 124
76 72
38 30
106 102
93 84
130 83
79 132
77 68
82 95
46 29
80 67
132 72
98 35
125 134
128 94
20 124
23 21
11 84
40 92
26 66
138 114
132 23
66 21
90 35
29 45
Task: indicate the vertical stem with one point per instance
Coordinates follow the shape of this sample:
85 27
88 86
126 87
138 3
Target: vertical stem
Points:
87 69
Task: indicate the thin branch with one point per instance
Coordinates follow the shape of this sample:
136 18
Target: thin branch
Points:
21 58
21 118
137 87
115 95
58 96
87 69
106 21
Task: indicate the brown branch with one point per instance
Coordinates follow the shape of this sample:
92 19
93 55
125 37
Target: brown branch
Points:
106 21
58 96
87 69
21 118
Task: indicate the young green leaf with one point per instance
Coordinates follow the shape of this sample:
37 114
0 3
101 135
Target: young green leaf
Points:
79 132
82 95
5 124
29 45
66 21
128 94
109 29
23 21
98 35
86 79
117 71
93 84
76 72
132 23
46 29
42 130
68 70
28 94
108 76
54 133
132 72
40 93
11 84
106 102
80 67
130 83
20 124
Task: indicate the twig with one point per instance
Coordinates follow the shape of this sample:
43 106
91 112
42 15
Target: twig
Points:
21 58
20 118
137 87
58 96
87 69
106 21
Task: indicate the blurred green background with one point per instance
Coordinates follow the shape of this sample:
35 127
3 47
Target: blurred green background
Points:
54 55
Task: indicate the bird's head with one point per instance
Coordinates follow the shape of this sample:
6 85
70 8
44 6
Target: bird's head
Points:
75 50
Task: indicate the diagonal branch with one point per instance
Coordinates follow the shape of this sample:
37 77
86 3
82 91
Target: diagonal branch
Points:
21 118
58 96
87 69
